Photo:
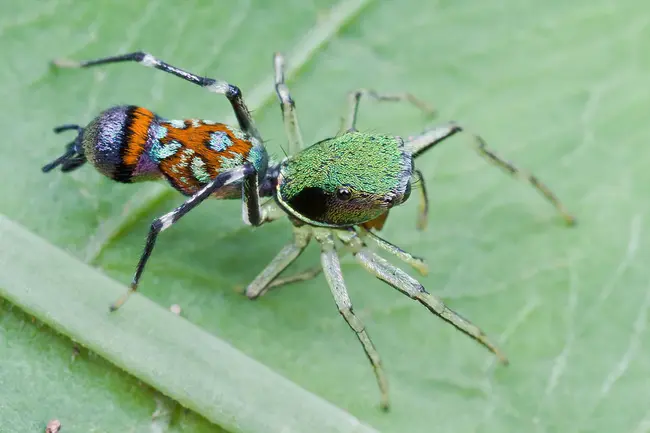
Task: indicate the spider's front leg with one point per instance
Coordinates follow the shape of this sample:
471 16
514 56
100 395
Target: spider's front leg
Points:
354 99
419 144
246 174
288 106
416 263
409 286
289 253
334 276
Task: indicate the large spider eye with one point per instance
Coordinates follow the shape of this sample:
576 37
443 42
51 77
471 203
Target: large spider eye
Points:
310 202
343 193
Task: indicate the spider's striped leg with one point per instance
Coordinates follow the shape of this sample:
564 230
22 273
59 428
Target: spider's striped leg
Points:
300 276
415 262
231 92
419 144
334 277
482 149
423 209
409 286
288 107
354 99
286 256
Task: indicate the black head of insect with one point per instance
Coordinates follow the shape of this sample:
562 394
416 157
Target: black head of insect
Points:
74 156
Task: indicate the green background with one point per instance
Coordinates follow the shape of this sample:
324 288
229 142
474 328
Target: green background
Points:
559 87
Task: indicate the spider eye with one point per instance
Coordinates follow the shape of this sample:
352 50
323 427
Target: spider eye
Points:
343 193
310 202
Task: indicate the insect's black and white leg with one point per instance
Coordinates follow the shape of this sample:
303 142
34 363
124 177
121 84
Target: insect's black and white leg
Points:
289 253
231 92
354 99
241 174
333 275
409 286
288 106
423 142
251 206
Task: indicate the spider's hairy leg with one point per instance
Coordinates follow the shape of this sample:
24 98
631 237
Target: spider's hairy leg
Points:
419 144
409 286
423 208
288 106
416 263
354 99
334 277
290 252
300 276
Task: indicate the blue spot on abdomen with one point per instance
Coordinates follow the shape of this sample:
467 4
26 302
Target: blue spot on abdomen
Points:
160 151
219 141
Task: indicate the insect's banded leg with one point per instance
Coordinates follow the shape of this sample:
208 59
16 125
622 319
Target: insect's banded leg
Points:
231 92
164 222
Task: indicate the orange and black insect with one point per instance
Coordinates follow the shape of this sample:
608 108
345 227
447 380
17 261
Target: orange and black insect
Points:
199 158
132 144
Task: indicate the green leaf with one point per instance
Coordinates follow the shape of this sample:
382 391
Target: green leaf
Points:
558 87
184 362
45 377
